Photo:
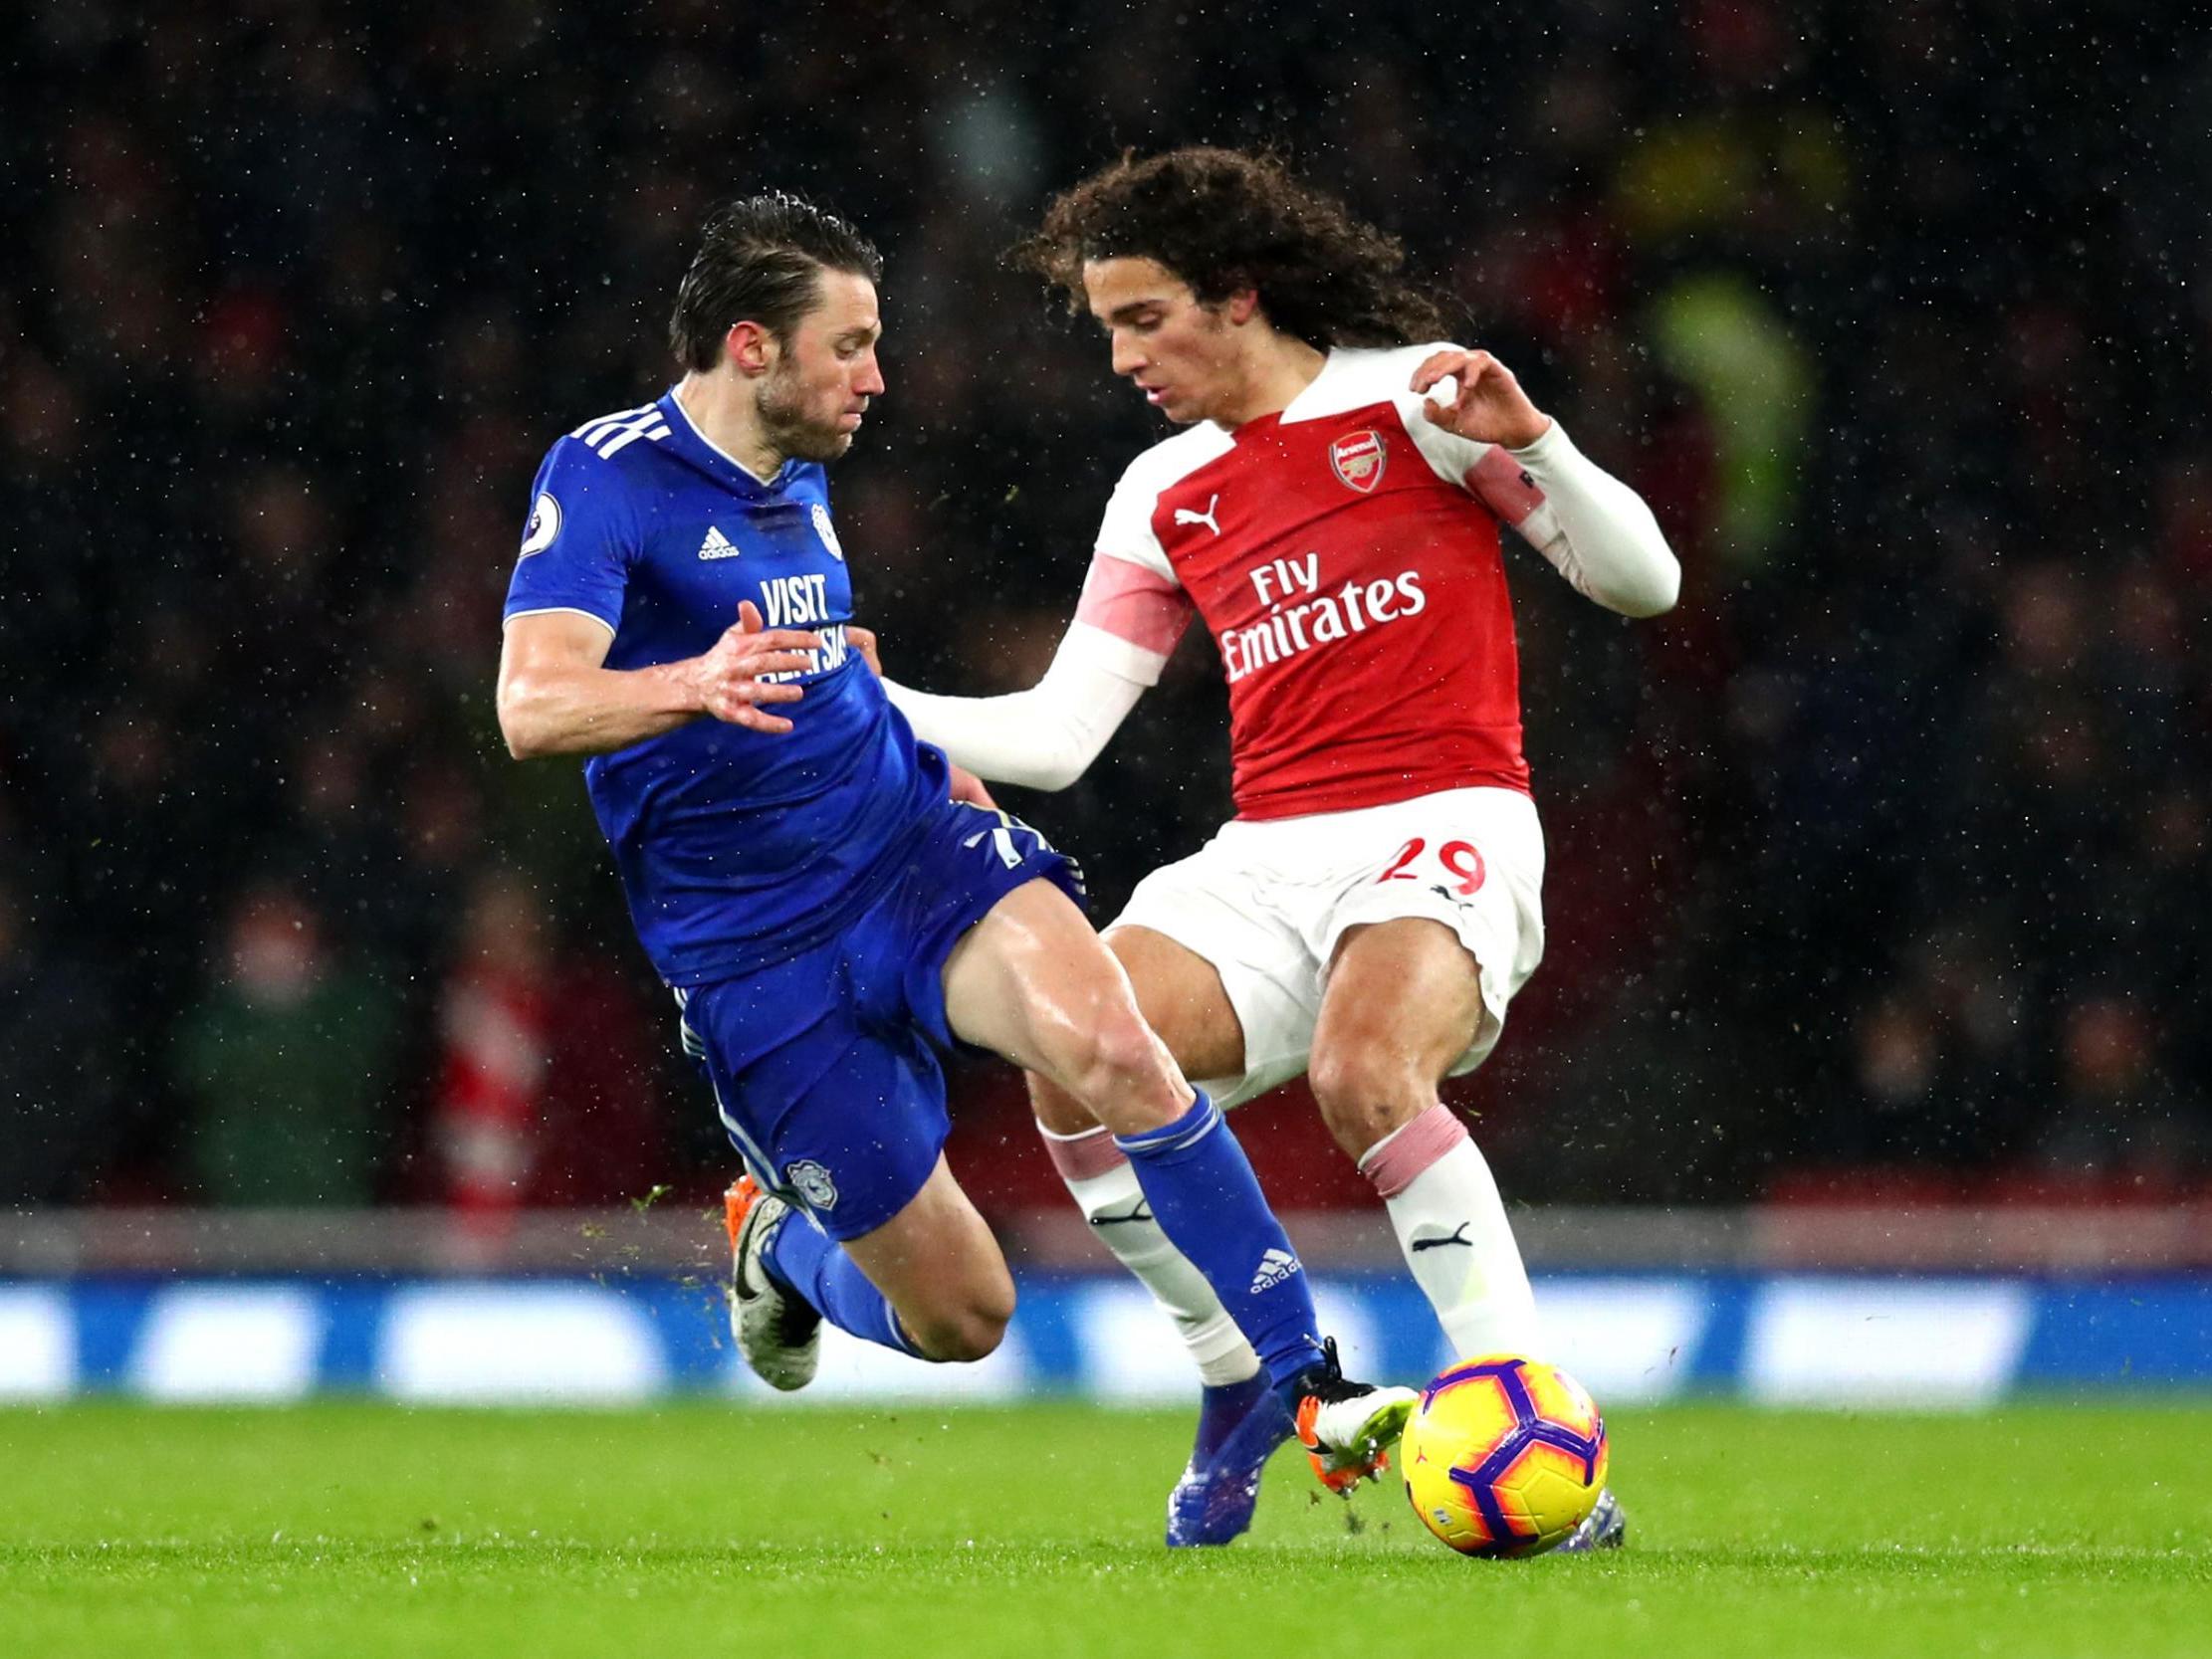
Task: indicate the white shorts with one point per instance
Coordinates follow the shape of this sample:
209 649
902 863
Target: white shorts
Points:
1266 902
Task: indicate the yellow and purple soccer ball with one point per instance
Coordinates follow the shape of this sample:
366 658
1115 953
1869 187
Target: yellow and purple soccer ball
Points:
1504 1456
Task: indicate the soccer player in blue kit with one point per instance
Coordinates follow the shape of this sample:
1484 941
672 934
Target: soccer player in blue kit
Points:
830 918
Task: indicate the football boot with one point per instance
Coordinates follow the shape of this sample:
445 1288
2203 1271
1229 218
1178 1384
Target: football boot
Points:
1239 1426
780 1335
1347 1427
1605 1526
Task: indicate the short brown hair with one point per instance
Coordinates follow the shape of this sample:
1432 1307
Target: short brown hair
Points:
757 262
1225 220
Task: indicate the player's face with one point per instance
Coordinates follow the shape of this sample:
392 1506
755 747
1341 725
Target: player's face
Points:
813 401
1180 354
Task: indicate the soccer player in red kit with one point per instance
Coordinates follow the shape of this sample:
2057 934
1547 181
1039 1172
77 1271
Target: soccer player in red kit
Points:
1332 510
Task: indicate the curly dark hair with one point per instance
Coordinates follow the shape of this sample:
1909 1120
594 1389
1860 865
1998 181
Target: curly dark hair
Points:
758 261
1225 220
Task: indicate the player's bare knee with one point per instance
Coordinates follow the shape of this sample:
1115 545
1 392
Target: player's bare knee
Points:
1365 1095
965 1341
1122 1076
964 1331
1056 1109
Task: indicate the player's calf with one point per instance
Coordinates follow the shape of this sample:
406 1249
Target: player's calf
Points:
936 1274
1452 1223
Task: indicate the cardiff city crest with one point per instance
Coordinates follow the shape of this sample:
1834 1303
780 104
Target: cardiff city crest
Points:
812 1183
1358 459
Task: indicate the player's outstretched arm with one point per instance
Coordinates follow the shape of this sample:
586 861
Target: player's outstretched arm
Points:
1042 739
1126 622
557 697
1592 529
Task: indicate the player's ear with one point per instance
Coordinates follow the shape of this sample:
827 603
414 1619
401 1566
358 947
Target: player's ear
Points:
1242 305
750 348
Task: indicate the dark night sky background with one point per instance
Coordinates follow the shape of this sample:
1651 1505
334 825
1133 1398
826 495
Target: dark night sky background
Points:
1885 852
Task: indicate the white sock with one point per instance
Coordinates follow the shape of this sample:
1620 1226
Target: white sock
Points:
1097 1172
1451 1225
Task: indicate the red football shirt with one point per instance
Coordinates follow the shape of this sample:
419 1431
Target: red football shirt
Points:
1345 557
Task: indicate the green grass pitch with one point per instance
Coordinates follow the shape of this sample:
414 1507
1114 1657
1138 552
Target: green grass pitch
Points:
912 1533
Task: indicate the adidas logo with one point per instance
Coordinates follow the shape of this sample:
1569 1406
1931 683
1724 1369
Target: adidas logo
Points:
717 546
1274 1267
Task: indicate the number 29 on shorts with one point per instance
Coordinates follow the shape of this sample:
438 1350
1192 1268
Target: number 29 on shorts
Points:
1461 863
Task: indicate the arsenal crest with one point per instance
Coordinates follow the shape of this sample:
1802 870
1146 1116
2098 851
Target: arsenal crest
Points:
1359 458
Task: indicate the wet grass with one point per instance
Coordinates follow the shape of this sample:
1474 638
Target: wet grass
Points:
361 1529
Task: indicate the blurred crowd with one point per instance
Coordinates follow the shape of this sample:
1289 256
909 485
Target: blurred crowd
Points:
1879 861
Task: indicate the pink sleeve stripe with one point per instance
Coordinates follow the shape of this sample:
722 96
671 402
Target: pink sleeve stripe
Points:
1504 486
1394 1163
1137 606
1085 1156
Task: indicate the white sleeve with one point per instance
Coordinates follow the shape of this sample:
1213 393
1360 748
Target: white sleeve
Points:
1595 529
1044 738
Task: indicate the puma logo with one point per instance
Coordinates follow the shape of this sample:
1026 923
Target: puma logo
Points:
1454 1237
1184 515
1138 1214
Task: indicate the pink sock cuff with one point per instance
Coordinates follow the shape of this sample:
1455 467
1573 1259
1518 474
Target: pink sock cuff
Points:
1085 1156
1394 1161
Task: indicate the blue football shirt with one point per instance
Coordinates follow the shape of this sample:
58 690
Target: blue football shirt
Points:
737 849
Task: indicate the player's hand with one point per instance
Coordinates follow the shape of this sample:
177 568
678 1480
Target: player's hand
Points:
864 640
728 678
1490 408
967 786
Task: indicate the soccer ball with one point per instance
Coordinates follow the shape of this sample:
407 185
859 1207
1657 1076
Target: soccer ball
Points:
1504 1456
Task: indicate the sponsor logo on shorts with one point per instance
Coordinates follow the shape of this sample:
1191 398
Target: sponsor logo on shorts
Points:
811 1182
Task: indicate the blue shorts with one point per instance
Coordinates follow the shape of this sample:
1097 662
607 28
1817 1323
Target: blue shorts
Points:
826 1067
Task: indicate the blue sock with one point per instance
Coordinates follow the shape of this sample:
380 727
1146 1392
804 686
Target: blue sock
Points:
1202 1188
807 1261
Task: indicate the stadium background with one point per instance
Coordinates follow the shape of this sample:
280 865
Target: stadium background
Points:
1877 868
